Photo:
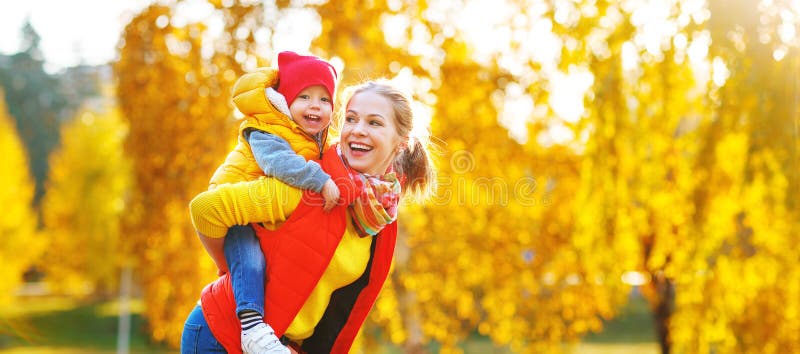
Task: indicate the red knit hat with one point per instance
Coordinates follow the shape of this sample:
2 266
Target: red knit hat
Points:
296 72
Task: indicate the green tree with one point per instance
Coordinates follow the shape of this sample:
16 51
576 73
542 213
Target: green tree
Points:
36 102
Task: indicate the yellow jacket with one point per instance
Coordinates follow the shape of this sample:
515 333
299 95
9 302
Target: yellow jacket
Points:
249 98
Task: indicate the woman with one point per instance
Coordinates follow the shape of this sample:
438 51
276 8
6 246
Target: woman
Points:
324 270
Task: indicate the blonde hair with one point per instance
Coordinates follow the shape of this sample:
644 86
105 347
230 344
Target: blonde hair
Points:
413 162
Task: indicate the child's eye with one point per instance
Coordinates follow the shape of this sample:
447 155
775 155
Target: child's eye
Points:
305 97
325 99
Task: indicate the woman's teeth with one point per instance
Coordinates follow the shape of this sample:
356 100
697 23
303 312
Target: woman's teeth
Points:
360 147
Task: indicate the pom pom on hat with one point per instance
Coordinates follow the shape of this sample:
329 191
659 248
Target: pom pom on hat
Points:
296 72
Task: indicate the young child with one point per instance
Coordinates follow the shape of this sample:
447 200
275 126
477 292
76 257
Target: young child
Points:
283 128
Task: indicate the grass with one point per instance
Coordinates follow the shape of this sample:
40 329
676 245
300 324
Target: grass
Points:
633 325
64 326
632 332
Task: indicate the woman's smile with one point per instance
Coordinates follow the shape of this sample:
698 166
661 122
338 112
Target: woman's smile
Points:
360 149
369 133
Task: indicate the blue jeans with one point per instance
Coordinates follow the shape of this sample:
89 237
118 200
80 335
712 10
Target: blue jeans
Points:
247 268
197 337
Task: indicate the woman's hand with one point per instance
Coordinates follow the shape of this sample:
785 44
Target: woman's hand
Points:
330 192
216 249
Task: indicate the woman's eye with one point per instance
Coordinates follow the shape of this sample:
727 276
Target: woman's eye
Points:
349 119
375 123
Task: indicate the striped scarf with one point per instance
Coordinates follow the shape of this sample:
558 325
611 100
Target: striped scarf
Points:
376 205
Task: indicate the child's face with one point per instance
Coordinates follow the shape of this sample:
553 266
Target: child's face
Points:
312 108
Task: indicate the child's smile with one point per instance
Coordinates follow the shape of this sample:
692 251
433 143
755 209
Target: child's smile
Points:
312 109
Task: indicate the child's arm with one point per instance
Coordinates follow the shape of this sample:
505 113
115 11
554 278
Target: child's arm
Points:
276 158
214 211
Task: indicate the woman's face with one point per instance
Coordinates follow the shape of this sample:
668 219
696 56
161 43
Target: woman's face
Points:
369 134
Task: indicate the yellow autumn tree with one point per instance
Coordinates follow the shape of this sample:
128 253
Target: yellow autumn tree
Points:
174 91
745 255
655 163
634 203
489 254
19 243
479 255
636 177
682 169
88 184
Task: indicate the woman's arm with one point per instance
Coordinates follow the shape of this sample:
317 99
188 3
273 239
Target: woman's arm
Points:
215 248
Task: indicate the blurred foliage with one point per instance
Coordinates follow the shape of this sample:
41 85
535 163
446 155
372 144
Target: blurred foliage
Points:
737 285
40 102
579 143
19 243
87 187
174 97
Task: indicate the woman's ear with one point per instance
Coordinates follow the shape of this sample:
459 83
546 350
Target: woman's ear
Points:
403 145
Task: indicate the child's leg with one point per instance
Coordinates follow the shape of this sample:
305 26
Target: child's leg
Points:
247 267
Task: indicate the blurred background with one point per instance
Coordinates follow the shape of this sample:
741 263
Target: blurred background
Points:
615 176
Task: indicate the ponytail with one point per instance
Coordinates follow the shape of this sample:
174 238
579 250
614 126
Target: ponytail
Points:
416 166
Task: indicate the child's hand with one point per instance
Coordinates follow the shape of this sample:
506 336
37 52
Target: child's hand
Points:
330 192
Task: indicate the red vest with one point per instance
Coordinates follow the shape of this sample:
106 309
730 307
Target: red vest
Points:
297 255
